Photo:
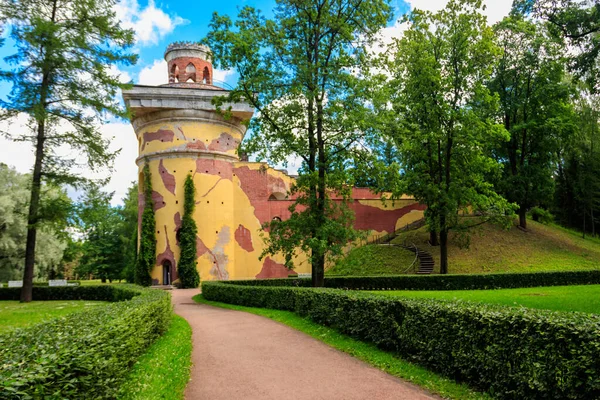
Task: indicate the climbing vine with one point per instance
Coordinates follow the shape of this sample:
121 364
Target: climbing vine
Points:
188 273
147 252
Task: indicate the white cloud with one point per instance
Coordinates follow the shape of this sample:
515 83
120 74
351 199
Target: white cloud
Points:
124 76
150 23
155 74
220 76
20 155
495 9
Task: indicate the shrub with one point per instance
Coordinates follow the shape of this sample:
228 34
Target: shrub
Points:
188 272
82 355
146 258
441 282
509 352
540 215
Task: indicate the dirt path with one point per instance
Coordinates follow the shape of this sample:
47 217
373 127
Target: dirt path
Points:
239 355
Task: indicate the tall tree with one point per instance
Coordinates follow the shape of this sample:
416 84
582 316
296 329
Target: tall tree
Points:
129 231
14 199
102 249
61 78
301 70
579 22
188 272
534 108
443 115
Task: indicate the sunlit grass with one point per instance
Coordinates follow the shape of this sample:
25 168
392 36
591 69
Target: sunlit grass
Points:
558 298
164 370
14 314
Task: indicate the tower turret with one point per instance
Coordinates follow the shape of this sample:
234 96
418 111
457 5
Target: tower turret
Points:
189 63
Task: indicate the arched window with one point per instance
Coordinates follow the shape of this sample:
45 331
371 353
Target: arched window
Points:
190 68
206 76
174 75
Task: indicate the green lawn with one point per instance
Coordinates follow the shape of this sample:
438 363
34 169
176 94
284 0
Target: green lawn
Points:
374 260
164 370
14 314
369 353
558 298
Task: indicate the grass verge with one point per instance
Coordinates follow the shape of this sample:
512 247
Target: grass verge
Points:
368 353
14 314
374 260
584 298
164 370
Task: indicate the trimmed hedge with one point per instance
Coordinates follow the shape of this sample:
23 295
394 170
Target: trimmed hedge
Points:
512 353
440 282
82 355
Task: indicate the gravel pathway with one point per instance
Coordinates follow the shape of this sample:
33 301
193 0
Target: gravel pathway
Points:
238 355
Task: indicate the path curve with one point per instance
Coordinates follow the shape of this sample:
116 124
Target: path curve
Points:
238 355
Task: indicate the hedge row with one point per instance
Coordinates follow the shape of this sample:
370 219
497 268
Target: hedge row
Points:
441 282
512 353
82 355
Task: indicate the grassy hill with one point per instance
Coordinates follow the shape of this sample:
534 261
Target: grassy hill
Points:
491 249
373 260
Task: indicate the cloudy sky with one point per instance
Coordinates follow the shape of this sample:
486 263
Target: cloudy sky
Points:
157 24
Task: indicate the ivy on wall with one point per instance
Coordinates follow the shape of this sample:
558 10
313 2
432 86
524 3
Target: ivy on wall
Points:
147 252
188 273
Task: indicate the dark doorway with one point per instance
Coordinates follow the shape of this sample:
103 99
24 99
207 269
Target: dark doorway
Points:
167 272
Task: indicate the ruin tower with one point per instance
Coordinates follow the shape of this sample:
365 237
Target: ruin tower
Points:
180 133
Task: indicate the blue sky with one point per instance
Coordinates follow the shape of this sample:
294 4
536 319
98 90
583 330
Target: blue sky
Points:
156 25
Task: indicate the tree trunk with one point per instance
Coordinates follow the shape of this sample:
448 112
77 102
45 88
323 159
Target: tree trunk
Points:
433 238
318 271
32 217
523 217
443 251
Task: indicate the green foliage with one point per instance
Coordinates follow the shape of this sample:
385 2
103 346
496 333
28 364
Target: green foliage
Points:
535 109
188 273
441 282
51 239
129 231
442 116
579 23
82 355
474 343
146 259
540 215
299 70
164 370
102 248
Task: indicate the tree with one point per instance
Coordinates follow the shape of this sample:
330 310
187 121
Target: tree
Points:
578 22
301 70
62 81
188 273
129 231
146 259
534 108
14 199
102 249
443 115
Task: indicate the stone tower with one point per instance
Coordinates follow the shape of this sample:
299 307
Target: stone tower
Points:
180 133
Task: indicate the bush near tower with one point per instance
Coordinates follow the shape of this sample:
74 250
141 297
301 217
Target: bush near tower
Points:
188 273
147 250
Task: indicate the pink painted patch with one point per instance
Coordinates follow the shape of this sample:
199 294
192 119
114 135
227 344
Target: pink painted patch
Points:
162 134
168 179
272 269
201 248
223 143
214 167
244 238
167 255
158 200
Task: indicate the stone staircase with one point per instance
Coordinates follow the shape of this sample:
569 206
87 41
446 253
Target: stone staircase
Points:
426 262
